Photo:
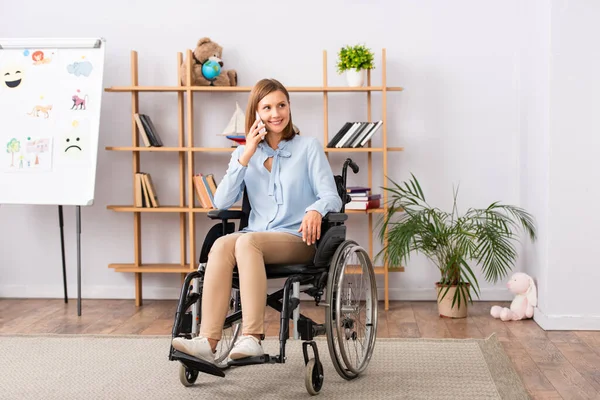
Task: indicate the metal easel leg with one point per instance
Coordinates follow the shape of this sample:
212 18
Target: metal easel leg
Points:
78 260
62 248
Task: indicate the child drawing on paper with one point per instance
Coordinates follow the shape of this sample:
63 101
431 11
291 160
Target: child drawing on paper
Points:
37 147
30 154
12 147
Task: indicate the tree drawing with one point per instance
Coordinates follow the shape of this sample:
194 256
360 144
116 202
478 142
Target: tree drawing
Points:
14 146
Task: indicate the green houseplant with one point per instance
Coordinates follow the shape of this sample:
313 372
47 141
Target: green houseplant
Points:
354 60
454 243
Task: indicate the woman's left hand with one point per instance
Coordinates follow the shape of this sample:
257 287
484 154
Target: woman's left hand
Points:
311 227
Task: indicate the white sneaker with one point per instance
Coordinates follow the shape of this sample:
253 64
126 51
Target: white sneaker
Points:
197 347
246 346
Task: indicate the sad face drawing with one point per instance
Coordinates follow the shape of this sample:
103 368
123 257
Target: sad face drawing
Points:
74 145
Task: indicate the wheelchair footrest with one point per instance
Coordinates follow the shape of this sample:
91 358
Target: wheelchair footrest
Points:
264 359
196 364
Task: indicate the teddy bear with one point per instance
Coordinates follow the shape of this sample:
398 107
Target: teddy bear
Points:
207 49
525 300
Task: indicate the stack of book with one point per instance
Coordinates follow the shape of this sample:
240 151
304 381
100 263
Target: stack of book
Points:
362 199
144 192
148 131
354 134
205 187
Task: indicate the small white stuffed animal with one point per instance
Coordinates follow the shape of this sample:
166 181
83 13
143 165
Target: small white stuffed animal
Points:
523 287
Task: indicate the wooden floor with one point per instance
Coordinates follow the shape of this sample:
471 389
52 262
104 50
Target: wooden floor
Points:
553 364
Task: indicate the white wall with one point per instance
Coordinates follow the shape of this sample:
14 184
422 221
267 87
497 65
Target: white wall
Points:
470 115
574 126
533 108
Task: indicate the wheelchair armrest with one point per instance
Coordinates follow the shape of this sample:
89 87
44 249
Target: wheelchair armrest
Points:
226 214
335 217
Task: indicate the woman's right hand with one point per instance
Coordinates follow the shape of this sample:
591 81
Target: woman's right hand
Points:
253 138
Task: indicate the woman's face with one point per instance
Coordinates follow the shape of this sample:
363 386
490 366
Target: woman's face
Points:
274 111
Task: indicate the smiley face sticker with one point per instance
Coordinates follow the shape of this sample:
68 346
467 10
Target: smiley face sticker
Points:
12 75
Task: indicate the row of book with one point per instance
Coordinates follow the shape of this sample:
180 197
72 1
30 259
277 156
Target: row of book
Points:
147 130
354 134
144 192
362 199
205 188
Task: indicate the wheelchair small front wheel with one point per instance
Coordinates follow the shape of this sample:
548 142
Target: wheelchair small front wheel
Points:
313 378
187 376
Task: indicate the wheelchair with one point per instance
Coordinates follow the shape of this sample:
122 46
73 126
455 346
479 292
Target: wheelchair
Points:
341 270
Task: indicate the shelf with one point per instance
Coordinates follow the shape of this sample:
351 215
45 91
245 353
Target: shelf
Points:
162 149
178 268
379 270
191 214
231 149
367 211
163 209
317 89
155 268
178 209
362 150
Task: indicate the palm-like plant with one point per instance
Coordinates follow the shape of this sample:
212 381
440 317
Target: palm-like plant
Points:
452 241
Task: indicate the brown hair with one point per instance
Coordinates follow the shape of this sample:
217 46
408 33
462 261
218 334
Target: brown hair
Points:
258 92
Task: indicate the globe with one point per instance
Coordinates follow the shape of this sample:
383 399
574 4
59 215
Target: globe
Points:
211 69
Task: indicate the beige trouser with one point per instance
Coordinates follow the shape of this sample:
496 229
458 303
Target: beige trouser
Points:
250 251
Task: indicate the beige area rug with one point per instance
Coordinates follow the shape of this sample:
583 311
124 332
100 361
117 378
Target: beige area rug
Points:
85 367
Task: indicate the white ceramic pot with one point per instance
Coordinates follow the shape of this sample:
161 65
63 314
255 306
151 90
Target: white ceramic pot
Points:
355 78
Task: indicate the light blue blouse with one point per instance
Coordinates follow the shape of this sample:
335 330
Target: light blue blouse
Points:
300 180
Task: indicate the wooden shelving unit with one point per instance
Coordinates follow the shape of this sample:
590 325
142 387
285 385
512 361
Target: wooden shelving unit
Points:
186 149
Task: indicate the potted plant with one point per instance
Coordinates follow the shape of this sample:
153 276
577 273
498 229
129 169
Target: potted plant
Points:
354 60
454 243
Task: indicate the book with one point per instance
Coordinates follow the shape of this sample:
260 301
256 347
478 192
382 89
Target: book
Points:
151 131
144 191
142 130
355 189
363 196
202 192
363 205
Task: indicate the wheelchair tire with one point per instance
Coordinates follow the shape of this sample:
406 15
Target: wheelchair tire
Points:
313 378
187 376
345 311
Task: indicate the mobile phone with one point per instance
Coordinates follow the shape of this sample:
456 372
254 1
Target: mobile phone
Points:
260 123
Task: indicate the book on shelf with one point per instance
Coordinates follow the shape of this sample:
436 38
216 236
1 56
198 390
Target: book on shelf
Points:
145 193
361 199
147 130
354 134
363 205
205 188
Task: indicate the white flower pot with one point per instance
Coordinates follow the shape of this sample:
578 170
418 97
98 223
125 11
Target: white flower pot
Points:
355 78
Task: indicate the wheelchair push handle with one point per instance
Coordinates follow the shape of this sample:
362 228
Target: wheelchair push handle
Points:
352 165
355 169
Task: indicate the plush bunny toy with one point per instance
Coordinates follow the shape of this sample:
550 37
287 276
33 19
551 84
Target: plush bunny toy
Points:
523 287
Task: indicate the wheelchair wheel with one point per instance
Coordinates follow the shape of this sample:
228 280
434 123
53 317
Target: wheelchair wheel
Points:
313 379
351 315
187 376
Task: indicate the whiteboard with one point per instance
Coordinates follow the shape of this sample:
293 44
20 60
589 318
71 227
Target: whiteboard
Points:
50 97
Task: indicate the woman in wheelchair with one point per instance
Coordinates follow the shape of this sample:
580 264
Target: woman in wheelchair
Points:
291 187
